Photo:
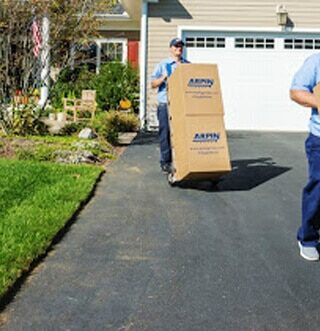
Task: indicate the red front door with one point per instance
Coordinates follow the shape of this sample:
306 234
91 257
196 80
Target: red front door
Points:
133 53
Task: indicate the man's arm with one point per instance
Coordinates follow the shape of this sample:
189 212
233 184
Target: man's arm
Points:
303 83
157 82
304 98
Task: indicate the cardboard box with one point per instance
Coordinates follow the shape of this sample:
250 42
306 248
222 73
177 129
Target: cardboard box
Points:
198 137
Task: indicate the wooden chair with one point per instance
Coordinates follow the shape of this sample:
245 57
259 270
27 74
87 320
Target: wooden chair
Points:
79 108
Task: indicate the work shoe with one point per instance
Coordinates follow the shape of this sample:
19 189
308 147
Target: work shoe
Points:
166 168
308 253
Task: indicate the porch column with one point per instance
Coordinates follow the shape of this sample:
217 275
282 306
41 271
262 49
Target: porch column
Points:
143 63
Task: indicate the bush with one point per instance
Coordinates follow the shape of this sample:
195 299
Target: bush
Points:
70 84
114 83
109 124
72 128
23 120
104 129
123 122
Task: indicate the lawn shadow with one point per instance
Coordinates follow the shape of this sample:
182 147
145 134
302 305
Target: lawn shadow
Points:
246 174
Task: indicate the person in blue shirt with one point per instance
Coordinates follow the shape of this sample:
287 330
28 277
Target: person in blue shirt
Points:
301 91
159 77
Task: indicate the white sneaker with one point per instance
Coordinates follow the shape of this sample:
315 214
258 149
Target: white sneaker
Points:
308 253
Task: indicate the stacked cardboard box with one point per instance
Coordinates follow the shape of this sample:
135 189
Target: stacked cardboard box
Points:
198 137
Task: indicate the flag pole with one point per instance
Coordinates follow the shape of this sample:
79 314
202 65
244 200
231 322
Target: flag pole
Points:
45 62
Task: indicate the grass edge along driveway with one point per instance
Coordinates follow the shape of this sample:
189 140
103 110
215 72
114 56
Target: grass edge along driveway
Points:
36 201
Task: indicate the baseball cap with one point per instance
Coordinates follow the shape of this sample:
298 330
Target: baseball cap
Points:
176 41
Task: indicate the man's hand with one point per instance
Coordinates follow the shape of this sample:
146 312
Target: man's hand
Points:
304 98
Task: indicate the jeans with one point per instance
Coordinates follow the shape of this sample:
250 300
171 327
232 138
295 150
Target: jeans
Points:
308 233
164 134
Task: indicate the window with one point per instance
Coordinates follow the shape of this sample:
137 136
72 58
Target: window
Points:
99 52
206 42
299 43
85 55
254 43
111 50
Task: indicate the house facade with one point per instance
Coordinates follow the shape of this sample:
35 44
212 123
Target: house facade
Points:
258 46
119 37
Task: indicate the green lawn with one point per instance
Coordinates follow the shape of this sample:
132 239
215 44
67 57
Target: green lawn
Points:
36 200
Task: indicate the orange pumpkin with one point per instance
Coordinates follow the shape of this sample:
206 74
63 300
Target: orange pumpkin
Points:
125 104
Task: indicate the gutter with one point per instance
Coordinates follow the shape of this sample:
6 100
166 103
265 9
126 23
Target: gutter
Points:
114 17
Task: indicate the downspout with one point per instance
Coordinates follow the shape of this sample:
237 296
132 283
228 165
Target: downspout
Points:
143 64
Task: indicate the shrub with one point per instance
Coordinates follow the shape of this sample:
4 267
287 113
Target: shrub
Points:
104 128
22 120
72 128
123 122
70 84
116 82
109 124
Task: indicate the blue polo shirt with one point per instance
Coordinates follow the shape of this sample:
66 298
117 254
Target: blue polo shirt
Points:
307 77
167 65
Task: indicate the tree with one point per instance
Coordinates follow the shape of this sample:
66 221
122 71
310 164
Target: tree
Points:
72 22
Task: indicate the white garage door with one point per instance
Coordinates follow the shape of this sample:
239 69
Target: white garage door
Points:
256 70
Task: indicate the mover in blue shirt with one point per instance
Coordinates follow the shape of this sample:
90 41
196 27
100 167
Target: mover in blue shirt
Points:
162 71
301 91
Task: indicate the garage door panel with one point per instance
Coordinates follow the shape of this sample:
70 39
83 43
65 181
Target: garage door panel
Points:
255 83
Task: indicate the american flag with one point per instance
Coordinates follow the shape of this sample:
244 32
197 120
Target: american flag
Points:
36 37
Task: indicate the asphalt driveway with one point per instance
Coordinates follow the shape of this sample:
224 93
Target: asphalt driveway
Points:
145 256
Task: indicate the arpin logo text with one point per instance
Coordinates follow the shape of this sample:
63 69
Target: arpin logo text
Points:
206 137
200 82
